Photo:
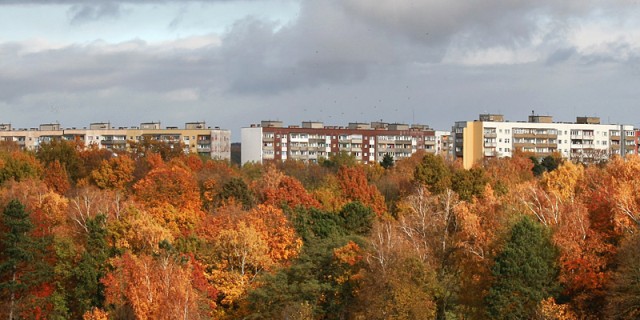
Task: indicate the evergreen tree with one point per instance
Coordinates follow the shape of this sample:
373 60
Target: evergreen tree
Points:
17 254
387 161
525 272
357 218
89 291
236 188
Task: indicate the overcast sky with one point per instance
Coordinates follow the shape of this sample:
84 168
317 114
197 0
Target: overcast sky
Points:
233 63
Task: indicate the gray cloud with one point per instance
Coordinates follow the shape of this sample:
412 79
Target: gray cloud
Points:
559 56
339 61
80 13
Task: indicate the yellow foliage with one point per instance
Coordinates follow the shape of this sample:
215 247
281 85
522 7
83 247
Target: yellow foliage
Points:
550 310
563 181
95 314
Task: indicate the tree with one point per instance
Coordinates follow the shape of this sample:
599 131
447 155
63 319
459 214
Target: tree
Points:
66 153
17 255
624 291
238 190
357 219
469 183
387 161
434 173
56 177
396 284
19 166
89 271
355 187
154 287
525 272
115 173
171 184
430 225
339 160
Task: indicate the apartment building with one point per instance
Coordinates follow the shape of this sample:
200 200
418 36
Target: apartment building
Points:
585 140
367 142
196 137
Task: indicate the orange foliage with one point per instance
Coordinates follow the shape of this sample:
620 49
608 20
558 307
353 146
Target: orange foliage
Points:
155 288
172 185
354 185
275 228
56 178
288 191
349 254
95 314
115 173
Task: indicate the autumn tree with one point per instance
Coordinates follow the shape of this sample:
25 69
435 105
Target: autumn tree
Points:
166 150
429 224
65 152
56 177
525 272
355 187
396 284
170 184
624 291
19 166
154 287
339 160
434 173
468 183
115 173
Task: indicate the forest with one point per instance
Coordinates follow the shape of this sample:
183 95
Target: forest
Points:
87 233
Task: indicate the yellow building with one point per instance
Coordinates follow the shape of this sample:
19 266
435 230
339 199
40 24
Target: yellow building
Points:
585 140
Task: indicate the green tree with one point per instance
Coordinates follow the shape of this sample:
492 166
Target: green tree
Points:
434 173
550 163
547 164
469 183
89 291
17 255
525 272
18 166
356 218
341 159
66 153
387 161
237 189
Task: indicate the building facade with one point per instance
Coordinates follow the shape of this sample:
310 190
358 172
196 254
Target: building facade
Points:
196 137
367 142
585 140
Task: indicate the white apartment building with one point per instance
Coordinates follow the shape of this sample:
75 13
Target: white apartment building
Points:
586 140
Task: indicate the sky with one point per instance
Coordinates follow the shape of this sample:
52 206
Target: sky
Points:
232 63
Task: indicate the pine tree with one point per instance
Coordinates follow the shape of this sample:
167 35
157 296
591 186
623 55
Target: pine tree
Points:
89 291
16 253
387 161
525 272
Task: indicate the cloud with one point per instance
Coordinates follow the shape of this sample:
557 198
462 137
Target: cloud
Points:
135 65
80 13
340 61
